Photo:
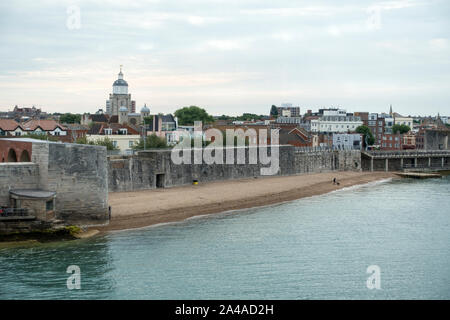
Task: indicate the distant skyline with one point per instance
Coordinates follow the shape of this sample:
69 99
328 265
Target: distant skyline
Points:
228 57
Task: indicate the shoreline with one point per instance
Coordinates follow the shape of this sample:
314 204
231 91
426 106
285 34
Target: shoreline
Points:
139 209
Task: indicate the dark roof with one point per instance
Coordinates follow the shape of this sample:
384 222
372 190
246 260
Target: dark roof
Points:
98 128
99 117
167 118
32 193
120 82
296 134
95 128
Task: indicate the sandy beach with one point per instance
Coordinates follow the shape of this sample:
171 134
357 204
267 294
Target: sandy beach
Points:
144 208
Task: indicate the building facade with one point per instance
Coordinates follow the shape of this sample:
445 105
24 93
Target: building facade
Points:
335 124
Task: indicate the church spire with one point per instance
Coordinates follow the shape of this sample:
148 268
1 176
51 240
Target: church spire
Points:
390 110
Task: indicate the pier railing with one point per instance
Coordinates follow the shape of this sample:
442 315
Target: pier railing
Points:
424 167
326 148
407 153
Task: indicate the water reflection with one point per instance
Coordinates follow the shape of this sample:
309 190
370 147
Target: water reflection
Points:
38 271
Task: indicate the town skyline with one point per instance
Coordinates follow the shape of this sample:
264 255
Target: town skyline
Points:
228 58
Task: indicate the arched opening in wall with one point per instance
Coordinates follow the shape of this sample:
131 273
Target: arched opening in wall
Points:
25 156
12 157
356 165
133 121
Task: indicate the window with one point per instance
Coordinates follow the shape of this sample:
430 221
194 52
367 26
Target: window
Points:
18 133
114 144
130 144
123 131
49 205
108 131
2 133
56 133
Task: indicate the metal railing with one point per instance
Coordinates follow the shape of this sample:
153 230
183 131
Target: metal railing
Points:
408 153
423 166
326 148
13 212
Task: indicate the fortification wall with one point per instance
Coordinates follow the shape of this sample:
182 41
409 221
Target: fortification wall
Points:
150 168
13 175
78 174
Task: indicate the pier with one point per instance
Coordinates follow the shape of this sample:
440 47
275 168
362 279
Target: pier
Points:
406 160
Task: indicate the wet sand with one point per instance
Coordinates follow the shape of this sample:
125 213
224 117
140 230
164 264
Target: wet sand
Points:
144 208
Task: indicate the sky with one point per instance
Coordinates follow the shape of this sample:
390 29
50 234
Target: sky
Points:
229 57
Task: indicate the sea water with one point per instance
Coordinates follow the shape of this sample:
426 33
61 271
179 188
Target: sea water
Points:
312 248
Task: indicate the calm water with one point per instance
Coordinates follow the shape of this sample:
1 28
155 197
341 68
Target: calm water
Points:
314 248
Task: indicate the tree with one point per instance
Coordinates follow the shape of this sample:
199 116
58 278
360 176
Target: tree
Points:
148 120
366 132
249 117
151 141
82 140
187 115
106 142
70 118
274 111
402 128
225 117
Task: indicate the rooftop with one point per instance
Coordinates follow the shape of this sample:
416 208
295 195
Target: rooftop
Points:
32 193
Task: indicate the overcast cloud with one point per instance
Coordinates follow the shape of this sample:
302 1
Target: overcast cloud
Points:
228 56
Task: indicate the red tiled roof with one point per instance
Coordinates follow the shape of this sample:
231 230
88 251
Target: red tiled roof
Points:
8 124
46 125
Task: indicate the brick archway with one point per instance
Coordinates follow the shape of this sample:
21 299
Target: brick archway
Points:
12 156
25 156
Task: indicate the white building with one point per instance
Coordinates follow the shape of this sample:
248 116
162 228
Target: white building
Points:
404 120
123 142
347 141
335 123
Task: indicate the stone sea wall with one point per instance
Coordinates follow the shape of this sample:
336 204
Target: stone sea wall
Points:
155 168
